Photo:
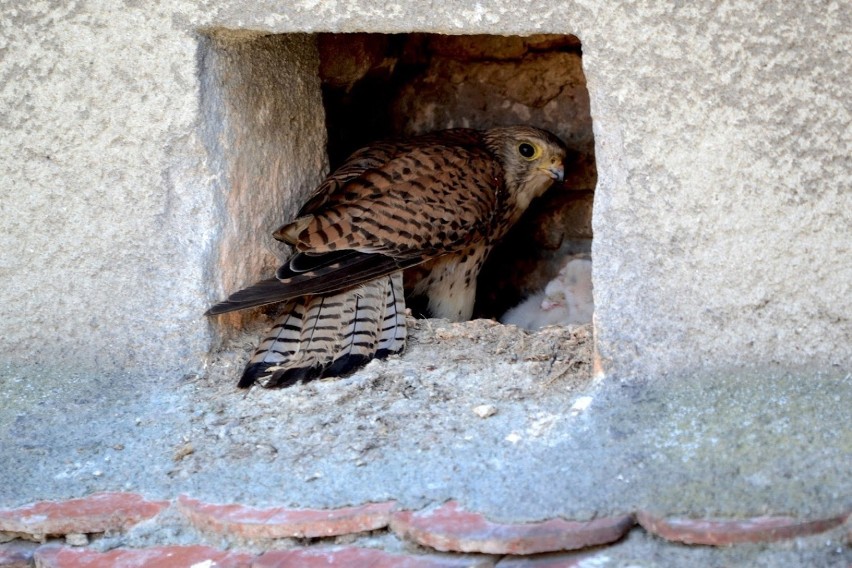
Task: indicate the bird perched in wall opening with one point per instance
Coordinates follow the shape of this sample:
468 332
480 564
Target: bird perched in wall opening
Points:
438 202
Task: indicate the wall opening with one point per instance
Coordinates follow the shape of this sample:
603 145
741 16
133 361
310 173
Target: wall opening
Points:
389 85
280 105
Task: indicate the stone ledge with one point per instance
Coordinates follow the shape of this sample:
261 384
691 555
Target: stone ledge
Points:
449 528
96 513
716 532
281 522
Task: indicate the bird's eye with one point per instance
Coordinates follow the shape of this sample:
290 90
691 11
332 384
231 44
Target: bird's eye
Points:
528 151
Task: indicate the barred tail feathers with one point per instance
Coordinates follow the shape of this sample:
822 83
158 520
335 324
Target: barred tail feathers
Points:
280 346
331 335
393 331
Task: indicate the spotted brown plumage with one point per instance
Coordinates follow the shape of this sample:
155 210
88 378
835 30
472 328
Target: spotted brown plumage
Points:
437 202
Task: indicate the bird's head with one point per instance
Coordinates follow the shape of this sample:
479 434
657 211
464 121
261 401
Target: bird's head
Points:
532 160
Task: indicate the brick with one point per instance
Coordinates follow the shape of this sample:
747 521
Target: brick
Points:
717 532
354 556
449 528
17 554
51 556
96 513
280 522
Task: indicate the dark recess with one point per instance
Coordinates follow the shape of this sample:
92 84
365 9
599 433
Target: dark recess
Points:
380 86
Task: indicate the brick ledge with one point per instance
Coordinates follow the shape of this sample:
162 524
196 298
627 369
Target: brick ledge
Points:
447 528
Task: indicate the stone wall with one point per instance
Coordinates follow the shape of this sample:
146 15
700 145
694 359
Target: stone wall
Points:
722 207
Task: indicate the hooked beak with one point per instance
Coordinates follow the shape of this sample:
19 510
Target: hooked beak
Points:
555 171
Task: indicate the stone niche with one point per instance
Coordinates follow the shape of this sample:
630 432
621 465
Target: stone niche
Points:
388 85
269 130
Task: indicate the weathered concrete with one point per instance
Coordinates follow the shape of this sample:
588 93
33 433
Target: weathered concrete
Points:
102 173
724 199
405 429
132 135
263 124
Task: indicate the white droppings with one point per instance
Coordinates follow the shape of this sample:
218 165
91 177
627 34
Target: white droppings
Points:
513 438
485 410
581 404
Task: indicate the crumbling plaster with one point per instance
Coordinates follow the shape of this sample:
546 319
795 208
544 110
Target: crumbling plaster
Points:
722 212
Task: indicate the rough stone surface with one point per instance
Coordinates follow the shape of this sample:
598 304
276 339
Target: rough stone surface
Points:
546 89
157 557
263 126
328 444
721 221
726 532
736 446
104 167
451 528
123 125
93 514
496 47
723 187
368 437
250 522
346 58
144 147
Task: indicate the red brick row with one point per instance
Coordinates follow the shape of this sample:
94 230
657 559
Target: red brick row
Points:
450 528
446 528
355 556
53 556
728 532
96 513
281 522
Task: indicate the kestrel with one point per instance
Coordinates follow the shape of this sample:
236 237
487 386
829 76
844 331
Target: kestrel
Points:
438 202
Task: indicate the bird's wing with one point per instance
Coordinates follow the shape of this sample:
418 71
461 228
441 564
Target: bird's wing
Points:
376 156
321 274
387 208
370 157
424 202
